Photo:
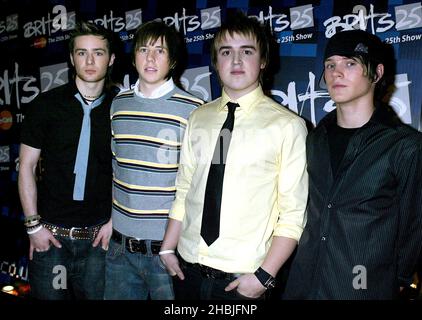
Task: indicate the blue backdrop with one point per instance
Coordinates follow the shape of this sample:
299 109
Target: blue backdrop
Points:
33 42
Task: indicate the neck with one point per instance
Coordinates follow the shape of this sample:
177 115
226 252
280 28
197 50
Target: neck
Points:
89 90
236 94
90 97
147 89
353 116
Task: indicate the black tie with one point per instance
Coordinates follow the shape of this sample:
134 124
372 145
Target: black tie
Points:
210 227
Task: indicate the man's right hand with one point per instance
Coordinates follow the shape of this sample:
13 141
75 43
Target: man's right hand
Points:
40 241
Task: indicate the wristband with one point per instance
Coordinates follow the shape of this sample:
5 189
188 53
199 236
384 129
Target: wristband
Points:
35 230
165 252
267 280
31 224
34 217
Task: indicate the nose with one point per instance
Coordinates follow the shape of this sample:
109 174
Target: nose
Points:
237 58
337 71
90 59
150 55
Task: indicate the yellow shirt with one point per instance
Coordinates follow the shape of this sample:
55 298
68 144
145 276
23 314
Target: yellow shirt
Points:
265 182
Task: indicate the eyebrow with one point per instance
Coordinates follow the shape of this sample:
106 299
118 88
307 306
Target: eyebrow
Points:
242 47
147 45
94 49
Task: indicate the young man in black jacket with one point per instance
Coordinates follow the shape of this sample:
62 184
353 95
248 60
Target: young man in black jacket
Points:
363 233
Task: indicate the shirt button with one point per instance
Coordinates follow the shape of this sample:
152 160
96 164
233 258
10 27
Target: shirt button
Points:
330 206
323 238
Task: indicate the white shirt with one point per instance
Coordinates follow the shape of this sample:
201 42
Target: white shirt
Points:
161 91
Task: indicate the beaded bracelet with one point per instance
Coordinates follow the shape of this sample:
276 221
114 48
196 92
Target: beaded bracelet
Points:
29 219
33 226
32 223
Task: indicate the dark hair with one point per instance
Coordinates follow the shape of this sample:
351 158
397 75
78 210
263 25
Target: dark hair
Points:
361 46
151 31
247 26
86 28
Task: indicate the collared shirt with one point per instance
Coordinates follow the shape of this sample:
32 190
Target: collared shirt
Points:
265 182
53 124
159 92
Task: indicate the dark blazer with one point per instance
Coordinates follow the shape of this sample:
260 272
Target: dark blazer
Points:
364 224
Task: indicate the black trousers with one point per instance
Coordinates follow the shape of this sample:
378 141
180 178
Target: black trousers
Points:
197 285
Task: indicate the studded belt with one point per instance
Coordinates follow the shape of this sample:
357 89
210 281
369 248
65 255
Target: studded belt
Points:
74 233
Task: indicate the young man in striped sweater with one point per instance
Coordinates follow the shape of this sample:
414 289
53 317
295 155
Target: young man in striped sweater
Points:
148 123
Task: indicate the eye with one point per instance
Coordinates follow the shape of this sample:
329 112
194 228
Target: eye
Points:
160 50
248 52
142 50
80 53
99 53
329 66
351 63
225 53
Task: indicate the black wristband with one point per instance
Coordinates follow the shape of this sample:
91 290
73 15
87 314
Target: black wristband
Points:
267 280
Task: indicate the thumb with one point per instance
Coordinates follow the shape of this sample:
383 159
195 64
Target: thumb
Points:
55 242
97 240
180 274
232 285
104 243
31 250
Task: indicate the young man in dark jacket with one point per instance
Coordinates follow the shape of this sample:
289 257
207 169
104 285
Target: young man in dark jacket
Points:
363 233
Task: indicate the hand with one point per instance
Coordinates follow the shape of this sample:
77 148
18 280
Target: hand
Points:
247 285
172 265
40 241
104 235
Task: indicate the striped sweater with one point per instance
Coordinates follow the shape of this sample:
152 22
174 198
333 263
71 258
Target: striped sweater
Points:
146 140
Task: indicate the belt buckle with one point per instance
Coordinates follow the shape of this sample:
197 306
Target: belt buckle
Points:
206 271
71 237
130 245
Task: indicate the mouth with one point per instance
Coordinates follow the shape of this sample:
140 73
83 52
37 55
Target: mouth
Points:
338 86
90 71
237 72
150 69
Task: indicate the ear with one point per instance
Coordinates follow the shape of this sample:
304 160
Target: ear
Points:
111 60
380 72
263 65
71 60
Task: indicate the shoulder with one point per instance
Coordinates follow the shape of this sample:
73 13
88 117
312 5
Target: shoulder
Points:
61 94
49 100
129 93
207 109
410 137
183 96
280 113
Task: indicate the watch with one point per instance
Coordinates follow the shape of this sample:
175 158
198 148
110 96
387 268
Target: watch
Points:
267 280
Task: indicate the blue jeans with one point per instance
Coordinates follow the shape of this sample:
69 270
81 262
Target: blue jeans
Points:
135 276
74 271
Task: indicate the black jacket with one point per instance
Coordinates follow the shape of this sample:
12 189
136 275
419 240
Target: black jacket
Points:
364 227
